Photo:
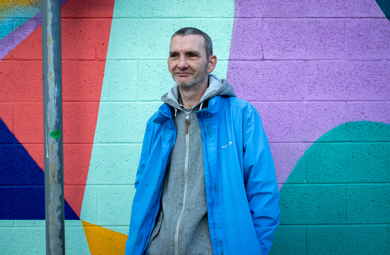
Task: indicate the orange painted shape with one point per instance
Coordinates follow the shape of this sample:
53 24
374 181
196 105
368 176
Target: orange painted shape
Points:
104 241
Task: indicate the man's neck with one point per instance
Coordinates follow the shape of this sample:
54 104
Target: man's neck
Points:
191 96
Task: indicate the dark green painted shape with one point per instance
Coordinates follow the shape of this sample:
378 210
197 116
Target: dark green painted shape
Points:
294 245
385 7
368 203
347 240
312 204
339 193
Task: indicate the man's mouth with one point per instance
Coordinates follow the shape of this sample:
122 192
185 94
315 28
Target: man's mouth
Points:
182 74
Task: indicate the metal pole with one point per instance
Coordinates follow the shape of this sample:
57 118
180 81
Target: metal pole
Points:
52 115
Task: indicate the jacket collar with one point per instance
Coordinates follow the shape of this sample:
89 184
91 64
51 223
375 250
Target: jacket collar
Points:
165 111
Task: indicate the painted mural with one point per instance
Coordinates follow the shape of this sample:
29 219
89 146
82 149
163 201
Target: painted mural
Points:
318 72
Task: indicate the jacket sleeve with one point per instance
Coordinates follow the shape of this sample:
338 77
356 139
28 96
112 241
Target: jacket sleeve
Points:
145 152
261 185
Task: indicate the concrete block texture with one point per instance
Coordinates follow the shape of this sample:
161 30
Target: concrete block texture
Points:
28 119
312 204
285 156
268 80
154 80
116 165
342 9
13 87
120 81
112 209
347 80
368 203
81 80
283 122
179 9
128 119
22 48
289 241
303 39
351 162
136 43
77 119
349 240
367 39
266 8
249 45
6 115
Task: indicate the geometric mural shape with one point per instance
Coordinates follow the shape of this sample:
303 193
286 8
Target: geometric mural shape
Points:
82 81
340 187
104 241
385 7
22 190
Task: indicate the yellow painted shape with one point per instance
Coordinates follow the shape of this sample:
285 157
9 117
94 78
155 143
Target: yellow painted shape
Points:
104 241
12 3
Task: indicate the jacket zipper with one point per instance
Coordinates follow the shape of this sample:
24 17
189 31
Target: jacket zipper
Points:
185 184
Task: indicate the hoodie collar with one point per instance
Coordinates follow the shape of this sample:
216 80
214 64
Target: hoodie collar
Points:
216 87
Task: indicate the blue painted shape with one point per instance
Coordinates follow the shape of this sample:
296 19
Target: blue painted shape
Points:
5 137
22 181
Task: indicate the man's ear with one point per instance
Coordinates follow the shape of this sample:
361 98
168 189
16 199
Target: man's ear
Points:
212 63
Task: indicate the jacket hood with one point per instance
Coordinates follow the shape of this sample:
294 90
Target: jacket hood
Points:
216 87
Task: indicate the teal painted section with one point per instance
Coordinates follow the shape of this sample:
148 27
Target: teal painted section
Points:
5 27
337 199
385 7
29 237
136 76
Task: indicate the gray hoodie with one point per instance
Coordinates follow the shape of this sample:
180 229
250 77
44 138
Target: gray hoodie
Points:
182 224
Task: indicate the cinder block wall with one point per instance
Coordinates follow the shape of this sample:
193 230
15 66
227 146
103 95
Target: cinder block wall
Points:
317 71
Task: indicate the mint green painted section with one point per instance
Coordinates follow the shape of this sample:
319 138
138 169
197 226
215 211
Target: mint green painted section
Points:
136 76
338 195
120 81
29 237
75 239
180 8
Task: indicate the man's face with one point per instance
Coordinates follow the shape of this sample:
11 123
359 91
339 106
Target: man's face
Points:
187 60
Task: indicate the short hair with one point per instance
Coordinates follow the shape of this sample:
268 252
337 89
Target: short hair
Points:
208 44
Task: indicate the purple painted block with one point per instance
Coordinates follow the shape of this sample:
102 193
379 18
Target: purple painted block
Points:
266 8
368 111
303 39
320 117
367 39
347 80
249 44
6 46
267 80
285 157
283 122
345 8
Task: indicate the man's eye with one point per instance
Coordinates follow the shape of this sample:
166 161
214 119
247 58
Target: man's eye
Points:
174 55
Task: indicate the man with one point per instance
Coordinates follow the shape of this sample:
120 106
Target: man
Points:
206 180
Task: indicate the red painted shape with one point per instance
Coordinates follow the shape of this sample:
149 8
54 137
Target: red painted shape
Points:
84 50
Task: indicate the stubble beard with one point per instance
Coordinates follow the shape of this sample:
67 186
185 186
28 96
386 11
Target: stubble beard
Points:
195 82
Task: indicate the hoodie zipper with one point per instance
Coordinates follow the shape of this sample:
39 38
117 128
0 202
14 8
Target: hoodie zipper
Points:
185 183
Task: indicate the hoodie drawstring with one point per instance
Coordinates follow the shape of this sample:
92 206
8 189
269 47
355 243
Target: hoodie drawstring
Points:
175 111
201 106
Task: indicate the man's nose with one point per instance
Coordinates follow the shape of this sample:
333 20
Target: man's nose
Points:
183 63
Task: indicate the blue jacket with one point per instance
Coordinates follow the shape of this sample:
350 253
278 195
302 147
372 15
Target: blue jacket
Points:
241 189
